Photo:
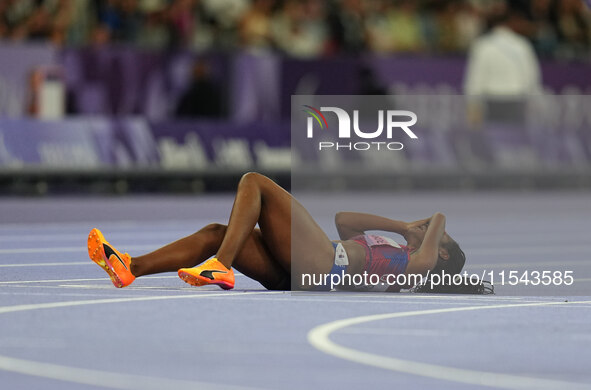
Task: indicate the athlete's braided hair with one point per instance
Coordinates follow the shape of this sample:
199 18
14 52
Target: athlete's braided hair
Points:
454 264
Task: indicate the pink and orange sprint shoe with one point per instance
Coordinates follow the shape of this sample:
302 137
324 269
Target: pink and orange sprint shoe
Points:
210 272
117 265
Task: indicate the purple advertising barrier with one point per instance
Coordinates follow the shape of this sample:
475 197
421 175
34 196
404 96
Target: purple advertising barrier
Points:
433 71
255 89
94 142
331 76
128 81
16 64
559 76
135 136
109 80
132 142
71 144
419 70
190 144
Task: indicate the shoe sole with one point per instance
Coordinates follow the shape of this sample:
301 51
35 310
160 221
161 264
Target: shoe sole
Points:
196 280
96 253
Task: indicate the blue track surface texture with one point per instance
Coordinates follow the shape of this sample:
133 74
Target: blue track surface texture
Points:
64 326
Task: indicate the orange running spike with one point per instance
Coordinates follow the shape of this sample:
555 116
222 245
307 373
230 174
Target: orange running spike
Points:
117 265
210 272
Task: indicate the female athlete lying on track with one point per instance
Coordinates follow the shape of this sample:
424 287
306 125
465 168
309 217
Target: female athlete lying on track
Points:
287 231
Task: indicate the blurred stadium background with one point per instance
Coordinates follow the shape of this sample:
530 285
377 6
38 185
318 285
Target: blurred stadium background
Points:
183 96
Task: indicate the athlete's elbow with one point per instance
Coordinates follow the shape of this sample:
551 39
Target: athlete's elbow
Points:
438 217
340 218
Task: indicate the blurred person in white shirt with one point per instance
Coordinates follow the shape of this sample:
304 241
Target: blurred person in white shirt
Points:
502 72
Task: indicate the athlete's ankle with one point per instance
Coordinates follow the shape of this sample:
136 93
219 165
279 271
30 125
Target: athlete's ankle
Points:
135 268
225 263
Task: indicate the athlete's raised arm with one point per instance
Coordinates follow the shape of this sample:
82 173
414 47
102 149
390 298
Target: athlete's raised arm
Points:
425 258
350 224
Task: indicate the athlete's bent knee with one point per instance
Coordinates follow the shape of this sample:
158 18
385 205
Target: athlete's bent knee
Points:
215 228
251 177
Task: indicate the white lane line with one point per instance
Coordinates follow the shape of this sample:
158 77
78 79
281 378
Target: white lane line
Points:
407 295
76 280
104 378
528 250
53 305
399 332
46 264
480 251
357 301
285 295
319 337
54 294
129 288
485 266
540 237
69 249
123 224
175 228
537 264
89 279
120 236
373 299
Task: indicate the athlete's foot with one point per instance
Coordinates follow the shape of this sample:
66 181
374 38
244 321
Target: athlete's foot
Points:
210 272
110 259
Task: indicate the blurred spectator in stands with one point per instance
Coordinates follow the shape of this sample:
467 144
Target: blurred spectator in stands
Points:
48 21
305 28
469 24
181 22
447 36
347 24
100 36
255 26
108 15
224 17
204 30
574 28
204 97
80 22
35 27
405 26
379 30
545 38
131 21
394 27
502 71
4 23
15 14
226 13
298 28
456 25
154 32
61 14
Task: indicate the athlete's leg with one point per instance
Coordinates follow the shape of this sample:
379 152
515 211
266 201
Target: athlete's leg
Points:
253 260
281 218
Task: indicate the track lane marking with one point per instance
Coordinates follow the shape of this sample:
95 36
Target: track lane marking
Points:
105 378
69 249
319 338
45 264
